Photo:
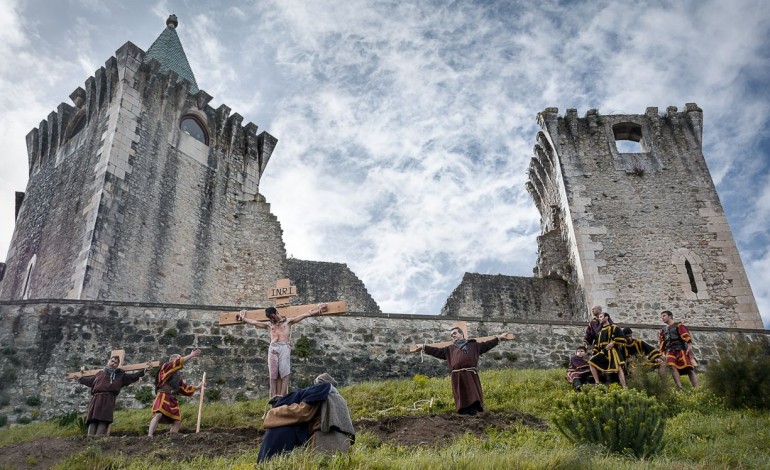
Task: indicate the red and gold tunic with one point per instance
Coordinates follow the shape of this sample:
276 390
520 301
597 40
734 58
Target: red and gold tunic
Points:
674 340
170 384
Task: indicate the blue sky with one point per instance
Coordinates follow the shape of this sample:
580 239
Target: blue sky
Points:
405 128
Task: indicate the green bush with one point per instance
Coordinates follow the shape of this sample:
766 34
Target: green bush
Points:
24 420
624 421
647 379
8 376
420 381
213 394
742 375
240 396
33 401
144 395
302 348
3 420
71 419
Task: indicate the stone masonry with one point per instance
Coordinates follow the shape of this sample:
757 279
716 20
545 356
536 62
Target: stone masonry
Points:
42 340
637 232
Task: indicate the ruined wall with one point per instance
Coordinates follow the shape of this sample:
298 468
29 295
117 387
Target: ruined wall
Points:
318 281
43 340
498 297
643 231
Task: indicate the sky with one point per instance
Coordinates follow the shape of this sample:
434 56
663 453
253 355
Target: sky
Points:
405 128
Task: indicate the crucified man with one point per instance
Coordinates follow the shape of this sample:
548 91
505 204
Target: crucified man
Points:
279 353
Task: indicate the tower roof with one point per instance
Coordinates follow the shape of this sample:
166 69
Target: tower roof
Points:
168 50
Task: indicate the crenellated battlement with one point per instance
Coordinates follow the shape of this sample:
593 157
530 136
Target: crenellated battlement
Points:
44 141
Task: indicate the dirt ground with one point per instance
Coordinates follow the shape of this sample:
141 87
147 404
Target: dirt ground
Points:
409 430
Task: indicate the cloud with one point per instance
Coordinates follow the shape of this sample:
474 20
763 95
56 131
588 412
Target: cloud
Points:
405 129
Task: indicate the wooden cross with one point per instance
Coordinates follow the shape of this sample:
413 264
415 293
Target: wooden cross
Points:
281 294
121 354
464 327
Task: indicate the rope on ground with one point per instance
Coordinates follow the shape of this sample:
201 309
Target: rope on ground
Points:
416 406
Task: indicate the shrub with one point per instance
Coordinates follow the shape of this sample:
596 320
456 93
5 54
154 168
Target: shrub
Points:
214 394
646 379
171 333
24 420
302 348
742 375
8 376
625 421
240 396
67 419
3 420
144 395
420 381
33 401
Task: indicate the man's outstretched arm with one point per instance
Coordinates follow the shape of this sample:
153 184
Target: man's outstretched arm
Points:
321 308
259 324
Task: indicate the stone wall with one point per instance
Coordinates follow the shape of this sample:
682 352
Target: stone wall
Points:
322 281
499 297
42 340
643 231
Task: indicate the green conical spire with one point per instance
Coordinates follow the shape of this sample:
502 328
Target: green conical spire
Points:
168 50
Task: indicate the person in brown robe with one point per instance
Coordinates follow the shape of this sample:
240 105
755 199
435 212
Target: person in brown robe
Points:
105 387
462 358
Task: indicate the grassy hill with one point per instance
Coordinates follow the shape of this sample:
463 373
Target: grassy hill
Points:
391 416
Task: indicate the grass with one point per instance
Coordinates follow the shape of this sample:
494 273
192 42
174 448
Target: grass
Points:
700 431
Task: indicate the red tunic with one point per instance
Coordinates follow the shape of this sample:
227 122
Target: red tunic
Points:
105 393
466 386
673 343
168 386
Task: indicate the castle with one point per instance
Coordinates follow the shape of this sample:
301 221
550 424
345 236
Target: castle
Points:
142 219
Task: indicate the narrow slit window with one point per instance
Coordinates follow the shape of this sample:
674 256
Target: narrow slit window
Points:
26 290
691 276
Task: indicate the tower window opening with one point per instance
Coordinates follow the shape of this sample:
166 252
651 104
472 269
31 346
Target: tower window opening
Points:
628 137
25 292
691 276
194 128
79 125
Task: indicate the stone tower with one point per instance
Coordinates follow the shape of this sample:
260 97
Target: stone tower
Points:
143 192
638 230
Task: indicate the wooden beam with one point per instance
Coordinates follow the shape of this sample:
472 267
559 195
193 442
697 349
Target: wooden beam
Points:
127 368
334 308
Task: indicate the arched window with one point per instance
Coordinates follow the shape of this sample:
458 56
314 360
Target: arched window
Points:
689 268
693 284
194 128
26 291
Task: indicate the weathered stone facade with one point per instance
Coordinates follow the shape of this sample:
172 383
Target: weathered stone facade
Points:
637 232
123 204
43 340
318 281
498 297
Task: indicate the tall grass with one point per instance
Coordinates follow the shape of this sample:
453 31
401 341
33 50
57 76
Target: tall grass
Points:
700 432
